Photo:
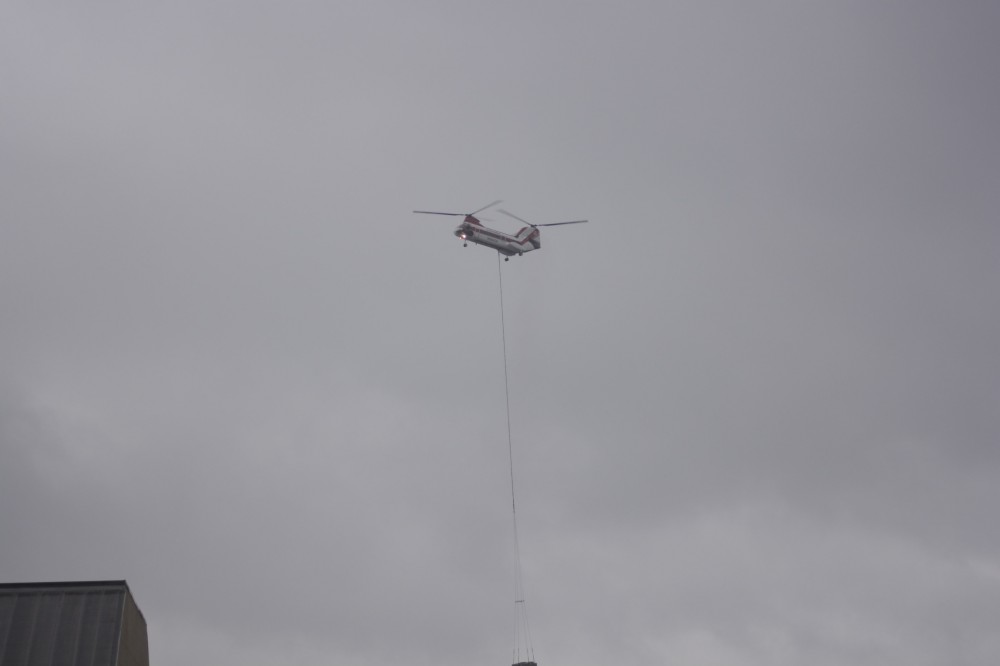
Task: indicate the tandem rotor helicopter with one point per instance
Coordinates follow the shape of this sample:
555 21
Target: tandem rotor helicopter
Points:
471 230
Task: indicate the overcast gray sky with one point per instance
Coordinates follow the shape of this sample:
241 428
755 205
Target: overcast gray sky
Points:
755 402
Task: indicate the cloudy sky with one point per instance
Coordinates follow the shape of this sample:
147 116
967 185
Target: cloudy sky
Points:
755 402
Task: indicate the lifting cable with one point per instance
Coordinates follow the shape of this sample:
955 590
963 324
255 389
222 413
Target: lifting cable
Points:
522 635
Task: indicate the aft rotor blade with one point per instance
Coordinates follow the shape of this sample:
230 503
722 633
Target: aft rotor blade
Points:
485 207
434 212
556 224
501 210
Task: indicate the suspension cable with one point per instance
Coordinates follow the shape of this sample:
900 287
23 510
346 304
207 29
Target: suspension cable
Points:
522 634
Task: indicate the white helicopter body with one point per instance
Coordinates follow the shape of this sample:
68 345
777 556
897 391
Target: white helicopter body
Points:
526 239
471 230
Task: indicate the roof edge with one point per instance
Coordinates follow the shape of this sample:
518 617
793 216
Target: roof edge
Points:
67 583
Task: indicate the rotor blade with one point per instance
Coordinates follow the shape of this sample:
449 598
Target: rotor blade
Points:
556 224
501 210
434 212
485 207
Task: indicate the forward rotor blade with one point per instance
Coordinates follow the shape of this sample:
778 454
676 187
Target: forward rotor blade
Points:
557 224
486 206
434 212
501 210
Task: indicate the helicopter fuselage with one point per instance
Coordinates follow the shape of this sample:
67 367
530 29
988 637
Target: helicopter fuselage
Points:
528 238
472 230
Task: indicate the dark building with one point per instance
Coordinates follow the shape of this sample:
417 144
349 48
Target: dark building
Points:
90 623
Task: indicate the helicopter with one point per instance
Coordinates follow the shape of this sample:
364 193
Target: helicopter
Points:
472 230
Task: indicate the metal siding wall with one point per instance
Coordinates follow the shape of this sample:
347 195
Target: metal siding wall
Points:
134 646
6 614
46 625
22 627
88 631
70 624
61 627
108 628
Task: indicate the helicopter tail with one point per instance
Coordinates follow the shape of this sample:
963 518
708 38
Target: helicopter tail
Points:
531 236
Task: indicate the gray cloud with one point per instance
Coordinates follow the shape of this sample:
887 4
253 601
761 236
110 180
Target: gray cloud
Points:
754 401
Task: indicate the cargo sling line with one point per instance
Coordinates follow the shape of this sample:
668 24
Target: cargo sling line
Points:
523 649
